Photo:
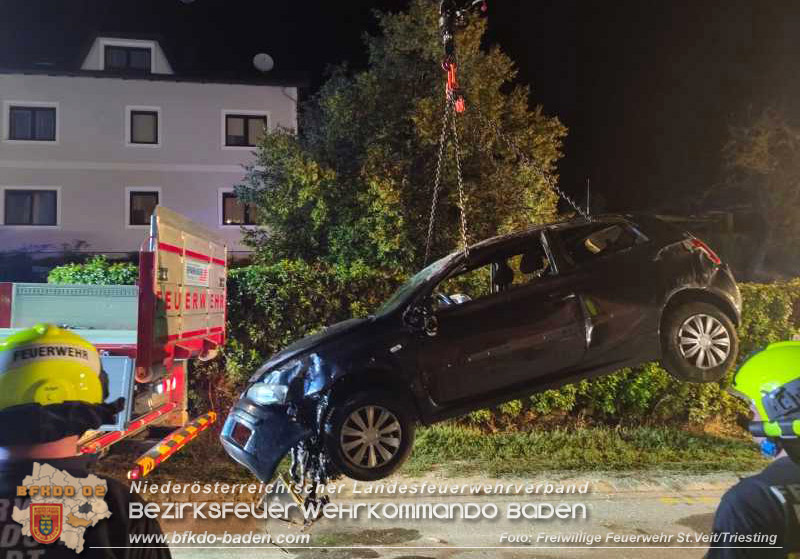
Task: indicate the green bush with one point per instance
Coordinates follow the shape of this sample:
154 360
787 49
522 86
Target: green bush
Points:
271 306
98 271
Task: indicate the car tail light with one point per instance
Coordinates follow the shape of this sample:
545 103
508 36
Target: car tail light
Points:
705 249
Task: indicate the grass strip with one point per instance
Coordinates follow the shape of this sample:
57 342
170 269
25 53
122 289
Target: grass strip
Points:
459 450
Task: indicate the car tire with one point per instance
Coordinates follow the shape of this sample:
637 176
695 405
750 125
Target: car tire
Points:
699 342
369 451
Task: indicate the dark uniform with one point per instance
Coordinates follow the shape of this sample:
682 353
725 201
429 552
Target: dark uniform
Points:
767 503
109 532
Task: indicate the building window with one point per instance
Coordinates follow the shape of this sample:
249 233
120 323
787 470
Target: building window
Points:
32 123
144 127
31 207
236 213
127 59
244 130
141 205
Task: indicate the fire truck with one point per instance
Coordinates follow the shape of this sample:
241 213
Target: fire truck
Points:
146 333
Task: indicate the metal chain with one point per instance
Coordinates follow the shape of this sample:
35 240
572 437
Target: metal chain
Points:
450 114
437 182
461 204
527 162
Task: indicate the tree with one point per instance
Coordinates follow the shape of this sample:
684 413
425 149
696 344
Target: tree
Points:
355 185
762 159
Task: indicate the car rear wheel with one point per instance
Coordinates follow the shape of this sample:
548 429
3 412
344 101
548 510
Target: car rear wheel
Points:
369 435
699 342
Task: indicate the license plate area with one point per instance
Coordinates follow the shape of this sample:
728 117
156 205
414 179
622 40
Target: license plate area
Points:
241 434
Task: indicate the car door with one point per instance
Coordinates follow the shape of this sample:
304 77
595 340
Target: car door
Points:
617 285
503 341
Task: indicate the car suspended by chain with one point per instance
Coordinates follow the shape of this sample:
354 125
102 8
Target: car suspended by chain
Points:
509 317
498 320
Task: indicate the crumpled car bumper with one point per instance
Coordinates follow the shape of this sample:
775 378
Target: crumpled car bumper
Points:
258 437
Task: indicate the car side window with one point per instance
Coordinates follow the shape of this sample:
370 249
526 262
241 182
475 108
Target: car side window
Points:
499 273
467 285
589 242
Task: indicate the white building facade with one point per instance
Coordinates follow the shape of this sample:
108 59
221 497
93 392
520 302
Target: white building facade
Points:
86 155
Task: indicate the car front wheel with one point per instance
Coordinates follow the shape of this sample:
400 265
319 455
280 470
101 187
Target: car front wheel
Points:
699 342
369 435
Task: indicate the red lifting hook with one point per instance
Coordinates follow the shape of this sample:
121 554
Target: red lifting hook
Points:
452 86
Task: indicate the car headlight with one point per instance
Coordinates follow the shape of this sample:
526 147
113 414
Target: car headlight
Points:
265 394
273 388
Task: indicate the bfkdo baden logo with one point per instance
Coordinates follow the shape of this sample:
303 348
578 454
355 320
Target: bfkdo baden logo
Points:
62 507
46 521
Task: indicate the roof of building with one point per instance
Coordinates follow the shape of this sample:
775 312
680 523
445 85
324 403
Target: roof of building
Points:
51 59
296 79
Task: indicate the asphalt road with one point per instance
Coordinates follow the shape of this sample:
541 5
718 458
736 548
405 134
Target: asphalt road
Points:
638 505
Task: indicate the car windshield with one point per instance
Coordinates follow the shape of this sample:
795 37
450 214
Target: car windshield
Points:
408 288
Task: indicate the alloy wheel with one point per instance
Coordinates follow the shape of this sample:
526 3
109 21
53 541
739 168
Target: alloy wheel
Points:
704 341
370 436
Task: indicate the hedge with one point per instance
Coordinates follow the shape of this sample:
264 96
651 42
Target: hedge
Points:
97 271
271 306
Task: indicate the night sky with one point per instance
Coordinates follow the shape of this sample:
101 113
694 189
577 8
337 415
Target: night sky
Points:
646 87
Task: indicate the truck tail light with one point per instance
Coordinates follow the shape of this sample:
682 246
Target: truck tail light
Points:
705 249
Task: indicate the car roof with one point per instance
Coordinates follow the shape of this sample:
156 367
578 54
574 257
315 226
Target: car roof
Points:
556 226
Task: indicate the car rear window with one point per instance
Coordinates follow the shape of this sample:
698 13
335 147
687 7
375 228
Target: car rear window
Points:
589 242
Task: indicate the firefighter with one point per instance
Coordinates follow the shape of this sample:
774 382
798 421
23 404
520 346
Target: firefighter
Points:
52 390
766 505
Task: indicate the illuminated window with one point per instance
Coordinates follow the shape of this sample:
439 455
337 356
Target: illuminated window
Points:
144 127
141 206
236 213
244 130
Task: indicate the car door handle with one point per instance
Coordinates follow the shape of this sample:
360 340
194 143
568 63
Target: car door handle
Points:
558 297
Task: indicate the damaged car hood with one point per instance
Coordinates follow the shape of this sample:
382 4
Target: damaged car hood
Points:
324 336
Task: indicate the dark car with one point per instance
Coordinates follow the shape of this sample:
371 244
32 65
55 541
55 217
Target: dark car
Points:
519 314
